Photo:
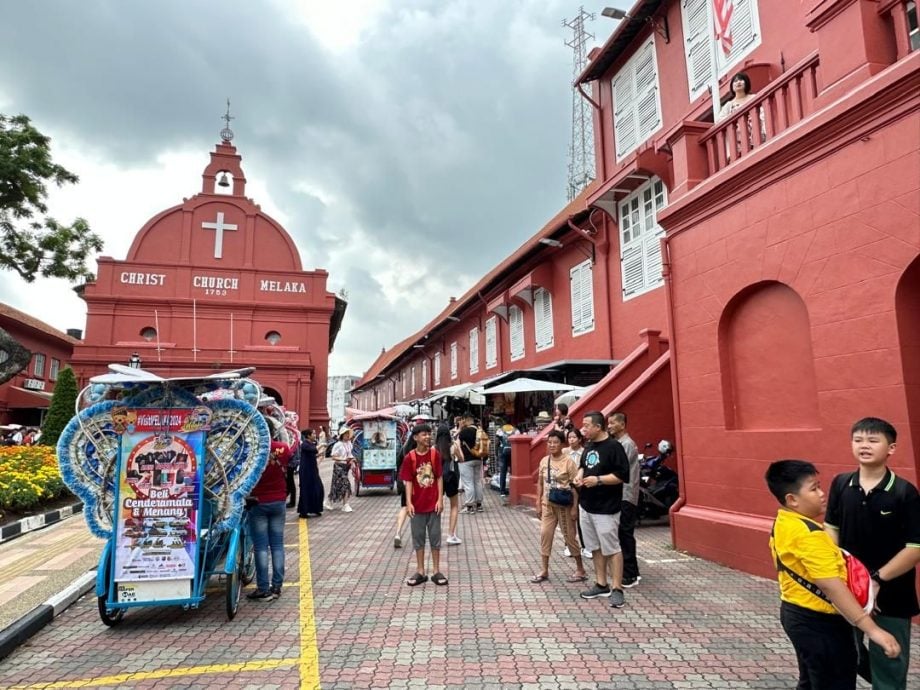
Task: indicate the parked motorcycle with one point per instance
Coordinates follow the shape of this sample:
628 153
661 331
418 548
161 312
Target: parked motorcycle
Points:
658 487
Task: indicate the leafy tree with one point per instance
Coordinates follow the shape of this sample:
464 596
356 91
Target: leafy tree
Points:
61 409
31 243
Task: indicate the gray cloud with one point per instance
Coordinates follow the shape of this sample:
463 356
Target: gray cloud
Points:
439 139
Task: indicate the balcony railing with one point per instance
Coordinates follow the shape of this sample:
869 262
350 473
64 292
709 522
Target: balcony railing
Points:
786 101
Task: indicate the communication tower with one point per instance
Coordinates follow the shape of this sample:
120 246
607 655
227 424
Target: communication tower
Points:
581 146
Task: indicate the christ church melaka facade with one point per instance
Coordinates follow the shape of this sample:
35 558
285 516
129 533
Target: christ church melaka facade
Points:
214 284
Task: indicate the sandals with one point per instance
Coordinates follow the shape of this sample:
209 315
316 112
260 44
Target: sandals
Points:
417 580
577 578
439 579
537 579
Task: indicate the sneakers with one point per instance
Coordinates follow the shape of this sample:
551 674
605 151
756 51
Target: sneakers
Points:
397 542
328 505
469 510
276 592
347 509
617 600
453 540
596 591
567 553
587 554
261 595
479 508
629 582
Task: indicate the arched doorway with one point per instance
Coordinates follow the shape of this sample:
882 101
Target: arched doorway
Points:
267 390
907 309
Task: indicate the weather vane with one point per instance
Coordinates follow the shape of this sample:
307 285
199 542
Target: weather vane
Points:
226 133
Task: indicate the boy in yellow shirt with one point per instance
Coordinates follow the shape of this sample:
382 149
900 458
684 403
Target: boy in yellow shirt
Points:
817 611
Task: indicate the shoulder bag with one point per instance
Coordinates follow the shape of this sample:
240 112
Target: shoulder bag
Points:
557 495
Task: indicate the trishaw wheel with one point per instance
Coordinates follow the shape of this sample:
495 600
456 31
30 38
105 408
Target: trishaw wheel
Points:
248 572
234 587
111 617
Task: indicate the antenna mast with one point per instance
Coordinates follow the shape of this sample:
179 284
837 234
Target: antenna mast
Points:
581 147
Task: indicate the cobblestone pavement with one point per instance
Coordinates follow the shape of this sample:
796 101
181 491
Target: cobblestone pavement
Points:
346 620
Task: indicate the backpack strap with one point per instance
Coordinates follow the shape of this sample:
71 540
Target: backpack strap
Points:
783 568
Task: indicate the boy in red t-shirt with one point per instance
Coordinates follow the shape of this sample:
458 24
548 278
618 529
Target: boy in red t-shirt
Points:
421 472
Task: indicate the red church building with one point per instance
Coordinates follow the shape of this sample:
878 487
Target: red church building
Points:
753 278
211 284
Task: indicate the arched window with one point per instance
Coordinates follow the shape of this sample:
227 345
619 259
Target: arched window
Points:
148 333
767 363
273 337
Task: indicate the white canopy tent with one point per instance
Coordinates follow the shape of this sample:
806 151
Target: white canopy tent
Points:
525 385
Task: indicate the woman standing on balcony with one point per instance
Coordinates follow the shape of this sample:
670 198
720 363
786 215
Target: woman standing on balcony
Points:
741 95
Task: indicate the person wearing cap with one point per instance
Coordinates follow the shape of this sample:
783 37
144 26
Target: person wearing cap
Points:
422 475
266 523
342 457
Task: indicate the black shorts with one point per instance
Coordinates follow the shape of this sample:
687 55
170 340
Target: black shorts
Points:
452 485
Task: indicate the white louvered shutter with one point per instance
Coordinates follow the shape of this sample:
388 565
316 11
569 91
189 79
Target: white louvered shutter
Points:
745 33
697 48
491 343
474 351
648 113
516 326
453 360
437 369
582 298
543 318
425 375
624 113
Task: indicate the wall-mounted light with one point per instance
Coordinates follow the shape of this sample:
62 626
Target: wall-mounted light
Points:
135 361
452 318
659 24
549 242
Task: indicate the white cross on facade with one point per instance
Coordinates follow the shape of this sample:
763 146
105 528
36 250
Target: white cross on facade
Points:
219 226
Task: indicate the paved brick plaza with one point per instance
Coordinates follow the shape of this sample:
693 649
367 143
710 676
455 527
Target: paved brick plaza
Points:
689 624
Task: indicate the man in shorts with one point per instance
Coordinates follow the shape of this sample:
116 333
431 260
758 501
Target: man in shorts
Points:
421 473
602 472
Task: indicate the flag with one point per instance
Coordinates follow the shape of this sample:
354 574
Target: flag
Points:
722 15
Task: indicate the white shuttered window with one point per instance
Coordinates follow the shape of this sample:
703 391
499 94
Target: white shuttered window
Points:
543 318
492 342
581 282
636 100
474 351
516 326
453 360
425 375
412 385
640 238
437 369
699 28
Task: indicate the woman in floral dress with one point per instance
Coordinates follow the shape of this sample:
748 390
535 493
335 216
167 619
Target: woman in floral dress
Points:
342 458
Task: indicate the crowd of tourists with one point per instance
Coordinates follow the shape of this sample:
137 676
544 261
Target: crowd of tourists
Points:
588 489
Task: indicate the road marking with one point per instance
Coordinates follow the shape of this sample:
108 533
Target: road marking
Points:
309 654
260 665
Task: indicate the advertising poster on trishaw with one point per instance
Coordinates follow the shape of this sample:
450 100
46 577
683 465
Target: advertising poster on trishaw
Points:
159 497
379 451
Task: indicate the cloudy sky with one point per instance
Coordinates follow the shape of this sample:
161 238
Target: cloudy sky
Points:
406 145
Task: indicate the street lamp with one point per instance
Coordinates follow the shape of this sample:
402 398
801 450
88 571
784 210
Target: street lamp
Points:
135 361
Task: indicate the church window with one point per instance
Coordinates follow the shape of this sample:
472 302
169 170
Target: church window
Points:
148 333
273 337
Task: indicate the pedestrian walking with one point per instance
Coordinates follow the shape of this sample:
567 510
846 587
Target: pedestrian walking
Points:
403 513
421 471
603 470
557 505
311 486
342 457
629 510
471 467
266 523
575 450
451 468
290 473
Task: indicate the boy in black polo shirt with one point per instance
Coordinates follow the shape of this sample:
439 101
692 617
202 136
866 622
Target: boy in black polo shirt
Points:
875 515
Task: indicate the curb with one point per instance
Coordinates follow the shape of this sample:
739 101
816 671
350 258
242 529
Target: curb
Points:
34 522
16 633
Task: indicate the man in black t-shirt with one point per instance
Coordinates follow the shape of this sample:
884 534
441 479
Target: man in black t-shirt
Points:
602 471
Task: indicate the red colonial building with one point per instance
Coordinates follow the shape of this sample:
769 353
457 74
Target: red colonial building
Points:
211 284
25 398
754 276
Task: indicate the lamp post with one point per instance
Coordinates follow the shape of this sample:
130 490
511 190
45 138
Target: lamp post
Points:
135 361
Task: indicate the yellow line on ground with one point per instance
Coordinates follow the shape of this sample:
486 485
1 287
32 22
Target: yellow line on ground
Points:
259 665
309 653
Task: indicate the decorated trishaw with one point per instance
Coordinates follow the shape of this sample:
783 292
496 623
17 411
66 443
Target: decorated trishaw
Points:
164 468
377 439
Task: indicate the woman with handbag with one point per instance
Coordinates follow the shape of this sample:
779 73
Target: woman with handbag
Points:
557 505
